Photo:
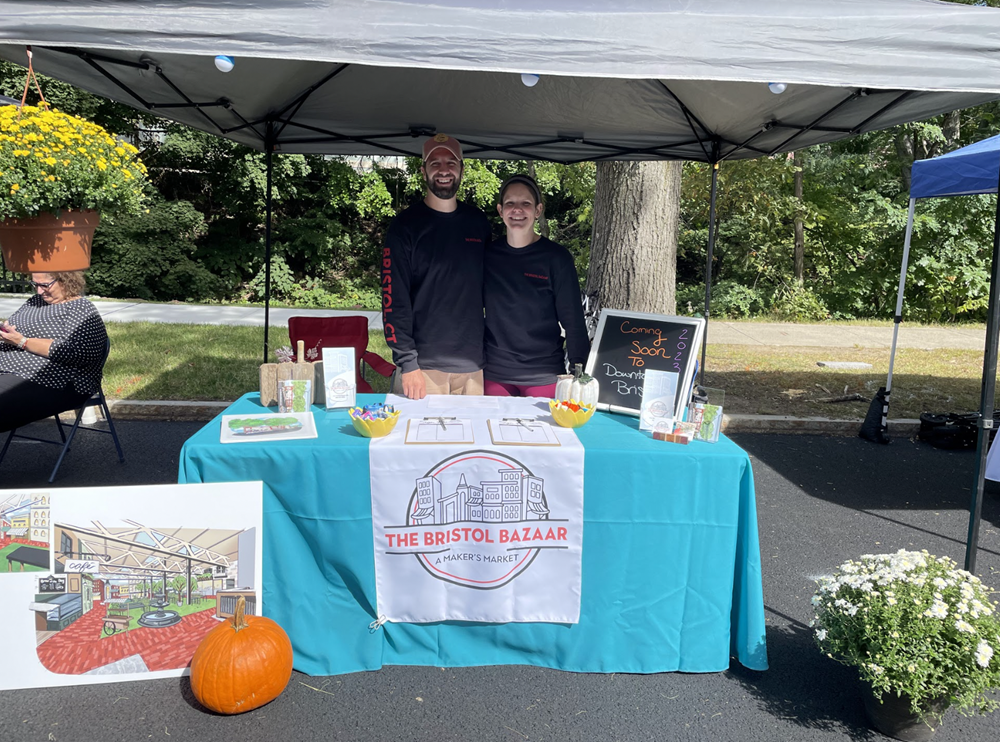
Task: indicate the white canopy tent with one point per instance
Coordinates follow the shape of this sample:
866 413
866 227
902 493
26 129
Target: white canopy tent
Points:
635 79
638 79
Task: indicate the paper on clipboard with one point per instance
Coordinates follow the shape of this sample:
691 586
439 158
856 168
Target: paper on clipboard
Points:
461 401
514 431
439 430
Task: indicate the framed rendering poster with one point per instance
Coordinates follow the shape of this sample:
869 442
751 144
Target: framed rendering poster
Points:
107 584
627 344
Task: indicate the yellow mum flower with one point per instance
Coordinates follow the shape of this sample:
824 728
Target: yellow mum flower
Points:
67 144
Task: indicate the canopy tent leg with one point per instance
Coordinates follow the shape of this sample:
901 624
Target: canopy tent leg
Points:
986 401
899 310
880 433
268 150
708 265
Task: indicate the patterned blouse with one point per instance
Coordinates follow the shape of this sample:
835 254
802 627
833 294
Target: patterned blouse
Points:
78 342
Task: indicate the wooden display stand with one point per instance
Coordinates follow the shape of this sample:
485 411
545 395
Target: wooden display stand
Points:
300 370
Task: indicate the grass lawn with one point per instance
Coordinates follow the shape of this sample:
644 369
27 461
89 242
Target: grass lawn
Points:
153 361
159 361
786 380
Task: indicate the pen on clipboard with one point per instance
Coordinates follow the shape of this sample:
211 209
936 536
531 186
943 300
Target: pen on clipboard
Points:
523 422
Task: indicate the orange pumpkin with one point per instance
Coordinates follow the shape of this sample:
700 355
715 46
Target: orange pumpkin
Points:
241 664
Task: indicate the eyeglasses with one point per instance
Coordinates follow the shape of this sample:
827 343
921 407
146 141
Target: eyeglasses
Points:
39 285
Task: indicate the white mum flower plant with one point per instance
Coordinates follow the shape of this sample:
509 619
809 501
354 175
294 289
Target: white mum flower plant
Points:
915 626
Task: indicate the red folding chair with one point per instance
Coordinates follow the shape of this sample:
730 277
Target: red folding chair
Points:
339 332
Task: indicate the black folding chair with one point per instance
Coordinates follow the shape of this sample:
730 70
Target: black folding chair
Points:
97 400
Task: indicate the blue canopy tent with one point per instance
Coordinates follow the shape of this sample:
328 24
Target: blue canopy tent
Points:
967 171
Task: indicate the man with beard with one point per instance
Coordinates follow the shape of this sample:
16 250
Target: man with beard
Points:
432 283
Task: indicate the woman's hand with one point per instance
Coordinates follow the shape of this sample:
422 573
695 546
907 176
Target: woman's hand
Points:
39 347
10 334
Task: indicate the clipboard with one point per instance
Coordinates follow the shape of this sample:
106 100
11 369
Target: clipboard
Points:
521 433
440 431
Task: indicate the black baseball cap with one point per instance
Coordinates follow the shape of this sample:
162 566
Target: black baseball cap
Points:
524 180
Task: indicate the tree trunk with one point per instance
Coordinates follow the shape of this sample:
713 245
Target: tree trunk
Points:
905 151
633 251
952 128
800 232
543 221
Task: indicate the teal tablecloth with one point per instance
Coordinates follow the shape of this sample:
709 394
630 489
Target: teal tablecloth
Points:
671 561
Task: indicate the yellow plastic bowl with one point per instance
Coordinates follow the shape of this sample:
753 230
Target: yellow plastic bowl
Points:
375 428
567 418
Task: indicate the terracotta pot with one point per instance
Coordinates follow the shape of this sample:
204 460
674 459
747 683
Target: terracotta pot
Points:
47 244
894 718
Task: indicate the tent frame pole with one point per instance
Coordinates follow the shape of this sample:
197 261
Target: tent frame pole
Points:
268 153
708 265
986 402
898 318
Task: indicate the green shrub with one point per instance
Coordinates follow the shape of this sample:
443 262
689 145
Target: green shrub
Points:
729 299
798 304
734 300
283 283
314 293
152 256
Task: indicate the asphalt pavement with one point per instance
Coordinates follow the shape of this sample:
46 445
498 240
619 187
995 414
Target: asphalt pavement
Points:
820 500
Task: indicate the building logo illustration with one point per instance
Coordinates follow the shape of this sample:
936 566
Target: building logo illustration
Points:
477 519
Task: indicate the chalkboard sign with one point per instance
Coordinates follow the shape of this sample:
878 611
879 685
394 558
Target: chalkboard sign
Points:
628 343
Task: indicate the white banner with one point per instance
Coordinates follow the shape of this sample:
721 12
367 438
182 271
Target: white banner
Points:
477 532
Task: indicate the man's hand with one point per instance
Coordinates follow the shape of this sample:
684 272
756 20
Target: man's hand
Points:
414 386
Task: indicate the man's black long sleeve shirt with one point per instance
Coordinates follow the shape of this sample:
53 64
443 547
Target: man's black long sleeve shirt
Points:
432 288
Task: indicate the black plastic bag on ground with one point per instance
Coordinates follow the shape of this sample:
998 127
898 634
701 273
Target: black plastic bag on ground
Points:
950 431
871 428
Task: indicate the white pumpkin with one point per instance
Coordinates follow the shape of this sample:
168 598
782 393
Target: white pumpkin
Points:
577 386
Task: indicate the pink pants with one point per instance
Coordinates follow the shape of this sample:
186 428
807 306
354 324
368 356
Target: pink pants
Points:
497 389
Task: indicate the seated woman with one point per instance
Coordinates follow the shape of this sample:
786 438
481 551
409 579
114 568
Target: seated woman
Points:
530 289
52 353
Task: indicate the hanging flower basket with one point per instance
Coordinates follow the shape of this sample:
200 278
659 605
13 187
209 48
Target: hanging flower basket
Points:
58 175
47 244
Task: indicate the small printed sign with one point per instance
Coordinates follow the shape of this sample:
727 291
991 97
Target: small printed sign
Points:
659 388
339 379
